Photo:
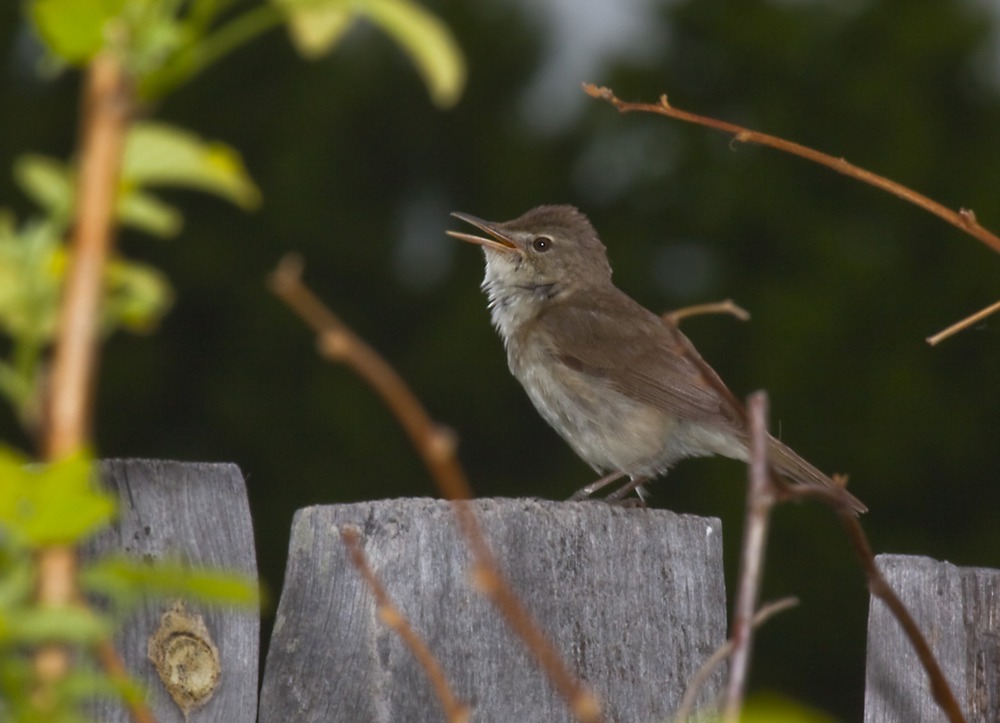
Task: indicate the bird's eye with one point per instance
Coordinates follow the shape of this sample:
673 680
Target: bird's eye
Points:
541 244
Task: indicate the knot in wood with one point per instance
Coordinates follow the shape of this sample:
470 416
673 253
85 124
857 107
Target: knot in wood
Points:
185 658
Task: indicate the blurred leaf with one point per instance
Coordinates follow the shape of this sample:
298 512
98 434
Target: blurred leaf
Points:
57 503
73 29
161 154
316 26
129 581
430 44
48 182
148 213
29 280
17 581
138 296
31 626
770 708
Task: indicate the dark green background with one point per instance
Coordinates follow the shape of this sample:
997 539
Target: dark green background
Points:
359 171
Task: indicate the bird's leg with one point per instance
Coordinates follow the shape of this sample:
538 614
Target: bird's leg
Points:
585 492
633 484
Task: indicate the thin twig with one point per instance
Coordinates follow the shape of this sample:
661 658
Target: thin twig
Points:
839 500
726 306
760 500
114 666
880 588
703 673
963 219
963 324
437 447
455 711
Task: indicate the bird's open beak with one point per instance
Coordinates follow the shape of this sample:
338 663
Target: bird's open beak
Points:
498 242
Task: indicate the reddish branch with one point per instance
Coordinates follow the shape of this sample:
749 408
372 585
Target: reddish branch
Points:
105 119
699 679
837 498
105 116
455 711
760 500
437 446
963 219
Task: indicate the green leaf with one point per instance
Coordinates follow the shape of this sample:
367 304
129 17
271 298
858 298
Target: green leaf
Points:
427 40
148 213
316 26
158 154
31 626
138 296
49 504
73 29
771 708
128 581
30 275
48 182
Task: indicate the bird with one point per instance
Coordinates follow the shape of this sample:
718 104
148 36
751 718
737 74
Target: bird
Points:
625 390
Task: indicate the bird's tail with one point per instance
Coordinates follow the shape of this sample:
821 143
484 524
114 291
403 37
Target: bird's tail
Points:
791 465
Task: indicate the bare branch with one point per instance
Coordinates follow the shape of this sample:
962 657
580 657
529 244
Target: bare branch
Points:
880 588
839 500
703 673
718 307
760 500
963 324
455 711
437 447
106 114
963 219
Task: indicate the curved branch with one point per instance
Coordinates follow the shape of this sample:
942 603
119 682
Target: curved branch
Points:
963 219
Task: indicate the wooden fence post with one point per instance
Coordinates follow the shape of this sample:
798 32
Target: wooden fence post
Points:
196 513
634 600
958 610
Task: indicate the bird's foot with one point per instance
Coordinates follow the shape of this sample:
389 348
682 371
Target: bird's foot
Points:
587 492
619 496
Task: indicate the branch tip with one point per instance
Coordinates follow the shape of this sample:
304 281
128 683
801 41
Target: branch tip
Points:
287 274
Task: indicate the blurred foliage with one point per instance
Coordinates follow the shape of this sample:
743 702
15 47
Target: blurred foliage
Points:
60 504
359 173
160 44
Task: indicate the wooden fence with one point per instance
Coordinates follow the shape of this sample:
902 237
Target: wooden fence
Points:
633 599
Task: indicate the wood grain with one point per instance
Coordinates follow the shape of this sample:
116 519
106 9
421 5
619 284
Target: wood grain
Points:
633 598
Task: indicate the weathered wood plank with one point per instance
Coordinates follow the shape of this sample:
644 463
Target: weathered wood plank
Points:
634 599
197 513
958 610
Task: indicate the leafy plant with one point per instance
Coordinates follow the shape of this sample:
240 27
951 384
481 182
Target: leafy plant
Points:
47 510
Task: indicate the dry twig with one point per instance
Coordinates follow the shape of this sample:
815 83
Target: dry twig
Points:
437 448
760 499
837 498
963 324
880 588
703 673
455 711
726 306
964 219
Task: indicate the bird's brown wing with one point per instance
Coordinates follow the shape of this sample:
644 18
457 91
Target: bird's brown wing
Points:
632 349
611 337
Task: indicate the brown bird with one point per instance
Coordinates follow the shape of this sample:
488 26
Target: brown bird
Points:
607 374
